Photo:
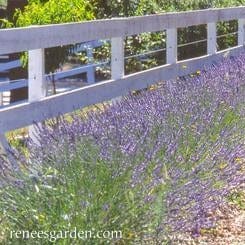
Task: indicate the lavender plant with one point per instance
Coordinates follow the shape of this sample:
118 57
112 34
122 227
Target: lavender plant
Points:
152 165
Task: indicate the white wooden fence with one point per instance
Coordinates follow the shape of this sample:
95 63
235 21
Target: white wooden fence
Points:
36 39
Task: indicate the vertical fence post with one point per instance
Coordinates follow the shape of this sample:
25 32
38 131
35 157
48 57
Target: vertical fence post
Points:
241 32
117 58
37 86
172 46
212 38
91 70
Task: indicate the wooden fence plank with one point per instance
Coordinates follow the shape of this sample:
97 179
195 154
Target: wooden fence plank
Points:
172 46
37 86
10 65
117 58
241 31
212 38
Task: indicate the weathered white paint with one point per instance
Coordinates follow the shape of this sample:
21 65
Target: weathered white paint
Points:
241 31
117 61
212 38
35 37
90 72
63 103
117 58
172 46
37 85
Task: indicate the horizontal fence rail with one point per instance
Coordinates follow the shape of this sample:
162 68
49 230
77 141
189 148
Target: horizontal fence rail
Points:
10 65
4 66
15 84
36 39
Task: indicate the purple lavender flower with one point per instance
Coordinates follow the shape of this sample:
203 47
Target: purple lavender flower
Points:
183 140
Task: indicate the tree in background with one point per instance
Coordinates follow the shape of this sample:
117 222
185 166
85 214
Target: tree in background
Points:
151 41
124 8
3 6
41 12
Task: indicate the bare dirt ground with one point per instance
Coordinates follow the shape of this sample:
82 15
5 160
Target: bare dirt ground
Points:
230 229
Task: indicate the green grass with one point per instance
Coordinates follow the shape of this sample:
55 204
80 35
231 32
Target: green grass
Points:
238 198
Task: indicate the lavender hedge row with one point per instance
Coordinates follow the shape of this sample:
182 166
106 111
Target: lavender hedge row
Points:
181 146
